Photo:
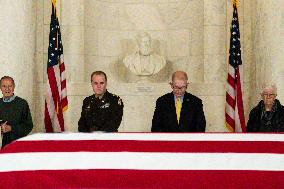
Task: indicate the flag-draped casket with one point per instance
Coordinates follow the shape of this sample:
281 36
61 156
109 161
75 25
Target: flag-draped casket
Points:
144 160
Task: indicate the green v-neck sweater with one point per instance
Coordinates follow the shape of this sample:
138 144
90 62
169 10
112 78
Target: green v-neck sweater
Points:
18 115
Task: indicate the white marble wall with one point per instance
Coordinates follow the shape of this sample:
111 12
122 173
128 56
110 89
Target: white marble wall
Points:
193 35
268 41
110 26
17 45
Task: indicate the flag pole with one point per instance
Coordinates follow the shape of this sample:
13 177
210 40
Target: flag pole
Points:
234 110
236 2
56 95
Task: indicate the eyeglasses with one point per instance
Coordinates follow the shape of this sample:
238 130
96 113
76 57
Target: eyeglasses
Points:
268 95
179 88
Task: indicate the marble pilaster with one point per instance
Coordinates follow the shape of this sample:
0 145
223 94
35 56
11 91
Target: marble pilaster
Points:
18 44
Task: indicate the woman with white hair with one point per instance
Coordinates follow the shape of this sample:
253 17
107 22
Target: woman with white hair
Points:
268 115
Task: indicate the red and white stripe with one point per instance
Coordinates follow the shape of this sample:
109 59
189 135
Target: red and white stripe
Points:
142 160
64 101
234 111
56 98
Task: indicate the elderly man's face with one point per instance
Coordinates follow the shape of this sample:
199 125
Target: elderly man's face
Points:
179 87
145 46
7 88
268 96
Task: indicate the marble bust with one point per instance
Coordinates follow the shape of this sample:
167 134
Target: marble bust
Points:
144 62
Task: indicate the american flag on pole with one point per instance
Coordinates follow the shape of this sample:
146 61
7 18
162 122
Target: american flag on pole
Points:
234 111
144 160
56 95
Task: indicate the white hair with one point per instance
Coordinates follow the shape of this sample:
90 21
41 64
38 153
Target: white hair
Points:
269 86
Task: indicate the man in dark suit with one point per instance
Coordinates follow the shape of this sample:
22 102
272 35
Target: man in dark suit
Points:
178 111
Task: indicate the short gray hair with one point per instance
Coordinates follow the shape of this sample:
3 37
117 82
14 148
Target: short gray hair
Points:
180 75
7 77
269 86
98 73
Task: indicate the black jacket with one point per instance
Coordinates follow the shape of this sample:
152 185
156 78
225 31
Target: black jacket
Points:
192 117
103 114
255 124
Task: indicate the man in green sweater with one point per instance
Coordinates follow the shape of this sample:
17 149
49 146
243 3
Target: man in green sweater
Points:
15 116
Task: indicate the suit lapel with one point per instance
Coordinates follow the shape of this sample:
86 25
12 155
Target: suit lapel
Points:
186 107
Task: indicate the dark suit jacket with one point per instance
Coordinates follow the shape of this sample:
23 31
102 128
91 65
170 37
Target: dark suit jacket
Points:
192 117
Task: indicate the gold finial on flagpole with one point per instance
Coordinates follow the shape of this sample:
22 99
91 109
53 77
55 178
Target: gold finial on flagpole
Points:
236 2
53 2
57 6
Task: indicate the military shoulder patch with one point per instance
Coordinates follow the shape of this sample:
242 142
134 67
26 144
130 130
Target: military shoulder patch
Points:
119 102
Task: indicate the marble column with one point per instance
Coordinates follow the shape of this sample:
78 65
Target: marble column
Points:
268 42
17 44
73 36
214 63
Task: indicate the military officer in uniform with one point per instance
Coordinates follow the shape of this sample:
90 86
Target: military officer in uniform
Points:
101 111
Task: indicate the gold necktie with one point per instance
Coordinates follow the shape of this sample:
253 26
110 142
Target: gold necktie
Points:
178 108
